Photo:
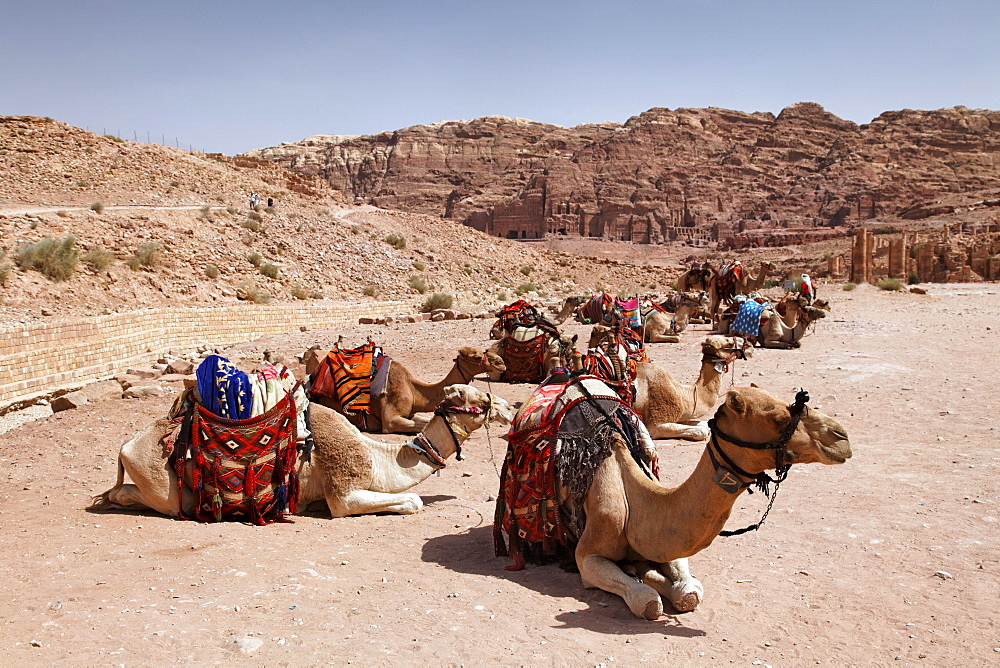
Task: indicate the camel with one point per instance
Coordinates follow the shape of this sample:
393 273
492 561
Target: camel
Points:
557 353
353 473
394 411
632 518
569 307
695 279
786 331
672 410
743 286
661 327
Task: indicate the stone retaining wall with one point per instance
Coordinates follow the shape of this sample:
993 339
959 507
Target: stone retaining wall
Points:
43 357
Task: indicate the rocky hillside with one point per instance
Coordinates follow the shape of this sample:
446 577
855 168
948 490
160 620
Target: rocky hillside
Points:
804 167
155 225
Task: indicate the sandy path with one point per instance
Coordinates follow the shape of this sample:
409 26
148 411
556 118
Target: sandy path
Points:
843 573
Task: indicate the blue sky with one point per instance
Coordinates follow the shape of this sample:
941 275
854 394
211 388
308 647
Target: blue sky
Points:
230 75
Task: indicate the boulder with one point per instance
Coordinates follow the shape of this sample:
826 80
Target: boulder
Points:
69 401
143 392
181 367
144 372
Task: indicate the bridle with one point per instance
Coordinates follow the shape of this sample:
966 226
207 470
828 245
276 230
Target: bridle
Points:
483 362
734 354
733 479
424 447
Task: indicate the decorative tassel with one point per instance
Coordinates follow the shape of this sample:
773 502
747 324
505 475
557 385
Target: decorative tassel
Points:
217 507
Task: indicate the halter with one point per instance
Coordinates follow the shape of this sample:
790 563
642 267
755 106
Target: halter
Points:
733 479
426 449
735 354
461 371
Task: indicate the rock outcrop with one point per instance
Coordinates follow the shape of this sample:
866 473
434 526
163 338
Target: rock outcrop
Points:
708 174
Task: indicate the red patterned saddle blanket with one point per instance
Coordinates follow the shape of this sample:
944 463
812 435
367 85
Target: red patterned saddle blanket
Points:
346 375
242 468
525 360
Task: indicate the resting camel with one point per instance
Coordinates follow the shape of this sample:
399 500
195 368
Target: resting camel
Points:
353 473
697 279
632 518
672 410
558 351
394 411
743 286
661 327
568 308
786 331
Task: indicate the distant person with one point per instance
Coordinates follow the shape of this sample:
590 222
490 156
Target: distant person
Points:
254 200
806 289
270 202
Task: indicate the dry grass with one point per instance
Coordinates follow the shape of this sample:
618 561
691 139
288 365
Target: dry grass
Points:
55 258
97 207
98 258
212 271
147 256
418 283
436 301
269 270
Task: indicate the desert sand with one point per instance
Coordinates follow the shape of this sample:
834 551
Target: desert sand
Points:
889 559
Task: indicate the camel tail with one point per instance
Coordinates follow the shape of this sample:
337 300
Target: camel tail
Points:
103 501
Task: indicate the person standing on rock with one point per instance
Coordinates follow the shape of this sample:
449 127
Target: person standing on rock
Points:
270 202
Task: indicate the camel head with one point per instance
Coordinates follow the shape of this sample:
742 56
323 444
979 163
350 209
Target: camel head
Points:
811 313
822 303
753 415
486 407
470 359
725 349
598 334
698 299
567 349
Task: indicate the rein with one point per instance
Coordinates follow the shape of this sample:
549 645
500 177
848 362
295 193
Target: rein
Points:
734 479
426 449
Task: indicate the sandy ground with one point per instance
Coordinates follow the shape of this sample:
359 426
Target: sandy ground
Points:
891 558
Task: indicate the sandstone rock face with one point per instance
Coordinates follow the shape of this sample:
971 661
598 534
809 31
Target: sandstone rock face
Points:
665 174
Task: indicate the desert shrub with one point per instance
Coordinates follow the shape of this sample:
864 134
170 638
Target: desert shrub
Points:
315 294
89 149
527 269
915 248
146 255
97 206
912 278
468 270
251 225
849 286
396 241
4 273
175 184
255 259
893 284
253 215
501 296
771 283
269 270
525 288
564 262
114 138
419 266
256 294
370 291
98 258
211 270
299 291
56 258
436 301
205 210
232 210
268 209
418 283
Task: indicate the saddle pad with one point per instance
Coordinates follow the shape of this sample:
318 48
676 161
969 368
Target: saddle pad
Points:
595 311
346 375
525 360
747 321
243 467
627 313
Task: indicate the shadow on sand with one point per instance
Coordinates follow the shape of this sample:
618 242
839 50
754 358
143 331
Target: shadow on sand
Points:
472 552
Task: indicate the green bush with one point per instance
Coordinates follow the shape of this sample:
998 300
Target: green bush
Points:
211 270
370 291
97 206
527 269
269 270
255 259
251 225
501 296
418 283
893 284
98 258
396 241
56 258
114 138
315 294
849 286
525 288
436 301
912 278
146 255
419 266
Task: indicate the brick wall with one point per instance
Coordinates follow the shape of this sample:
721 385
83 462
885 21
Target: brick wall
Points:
44 356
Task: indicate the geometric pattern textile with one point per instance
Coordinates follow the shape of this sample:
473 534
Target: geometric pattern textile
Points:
525 360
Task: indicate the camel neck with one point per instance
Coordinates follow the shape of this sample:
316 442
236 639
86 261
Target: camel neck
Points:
405 467
426 396
706 390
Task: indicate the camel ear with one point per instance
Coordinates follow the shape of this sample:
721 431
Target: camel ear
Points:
736 403
575 337
754 385
455 394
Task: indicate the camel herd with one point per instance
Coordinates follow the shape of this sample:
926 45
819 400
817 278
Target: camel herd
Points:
637 534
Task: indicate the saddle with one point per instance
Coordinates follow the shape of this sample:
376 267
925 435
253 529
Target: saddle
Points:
525 360
347 375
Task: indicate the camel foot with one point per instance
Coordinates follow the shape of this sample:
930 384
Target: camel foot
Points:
686 596
653 610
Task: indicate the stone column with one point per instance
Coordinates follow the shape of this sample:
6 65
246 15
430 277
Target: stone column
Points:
897 262
861 257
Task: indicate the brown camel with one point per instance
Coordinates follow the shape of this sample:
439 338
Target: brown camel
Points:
743 286
558 352
353 473
659 327
634 519
394 411
786 331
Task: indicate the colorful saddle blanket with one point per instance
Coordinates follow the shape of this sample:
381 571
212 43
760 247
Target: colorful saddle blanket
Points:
242 468
525 360
615 360
747 321
347 376
223 389
558 439
729 275
627 313
597 310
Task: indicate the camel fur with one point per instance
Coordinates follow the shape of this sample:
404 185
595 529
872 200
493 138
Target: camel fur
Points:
394 412
353 473
666 328
633 519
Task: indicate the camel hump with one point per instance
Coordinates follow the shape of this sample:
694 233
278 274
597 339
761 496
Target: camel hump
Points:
344 466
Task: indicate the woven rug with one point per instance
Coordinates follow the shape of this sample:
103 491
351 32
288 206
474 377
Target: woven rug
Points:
525 360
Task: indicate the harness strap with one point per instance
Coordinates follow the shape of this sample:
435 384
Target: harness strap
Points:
423 447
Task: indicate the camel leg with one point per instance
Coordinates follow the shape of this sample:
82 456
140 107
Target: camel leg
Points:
602 573
365 502
674 581
398 424
663 338
690 432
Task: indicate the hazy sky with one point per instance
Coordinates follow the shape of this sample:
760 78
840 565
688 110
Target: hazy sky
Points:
234 75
